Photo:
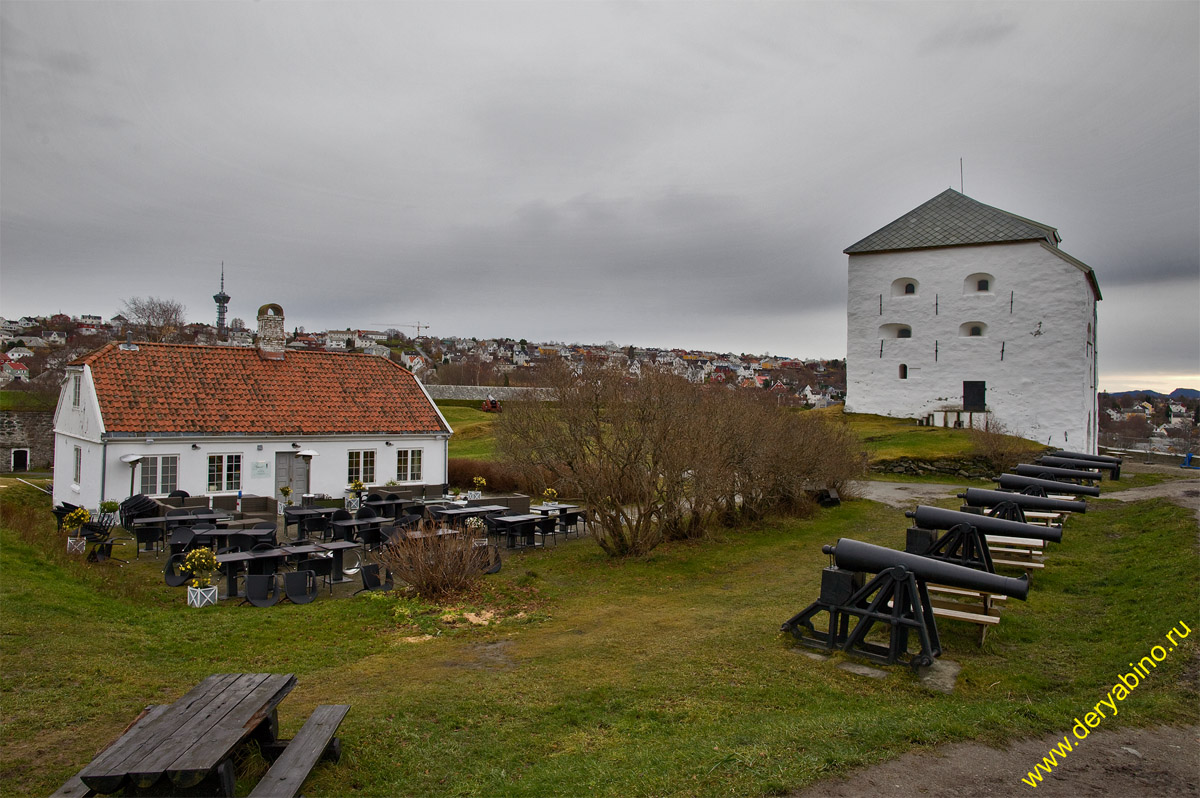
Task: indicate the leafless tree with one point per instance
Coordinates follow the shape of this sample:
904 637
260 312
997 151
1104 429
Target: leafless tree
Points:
157 319
657 457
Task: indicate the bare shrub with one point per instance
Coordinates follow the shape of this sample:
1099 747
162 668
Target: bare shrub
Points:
435 566
501 477
994 443
659 458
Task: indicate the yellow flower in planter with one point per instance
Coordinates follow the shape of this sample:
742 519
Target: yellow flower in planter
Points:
550 495
202 563
76 518
479 482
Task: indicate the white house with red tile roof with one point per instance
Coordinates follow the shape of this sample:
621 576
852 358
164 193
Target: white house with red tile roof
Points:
219 420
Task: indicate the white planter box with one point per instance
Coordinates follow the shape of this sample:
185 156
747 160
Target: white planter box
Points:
201 596
76 545
474 494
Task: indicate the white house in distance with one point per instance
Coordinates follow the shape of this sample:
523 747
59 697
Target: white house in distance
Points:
958 310
219 420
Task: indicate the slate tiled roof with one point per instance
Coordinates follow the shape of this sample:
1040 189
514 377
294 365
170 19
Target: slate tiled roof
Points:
953 219
176 389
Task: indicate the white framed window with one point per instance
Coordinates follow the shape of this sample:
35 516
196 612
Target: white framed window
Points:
160 474
360 465
76 391
224 472
408 465
78 473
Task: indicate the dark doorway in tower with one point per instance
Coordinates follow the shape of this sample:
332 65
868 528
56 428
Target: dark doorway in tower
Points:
974 396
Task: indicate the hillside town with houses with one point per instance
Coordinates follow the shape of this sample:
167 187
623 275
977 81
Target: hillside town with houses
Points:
34 345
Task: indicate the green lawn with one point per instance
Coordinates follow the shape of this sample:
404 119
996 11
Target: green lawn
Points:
890 438
24 400
883 438
657 676
472 427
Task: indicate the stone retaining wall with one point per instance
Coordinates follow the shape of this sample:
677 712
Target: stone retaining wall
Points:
963 468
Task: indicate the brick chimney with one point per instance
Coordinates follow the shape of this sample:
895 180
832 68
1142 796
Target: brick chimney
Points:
272 337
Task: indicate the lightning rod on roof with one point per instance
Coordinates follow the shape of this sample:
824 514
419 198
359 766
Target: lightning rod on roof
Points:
961 190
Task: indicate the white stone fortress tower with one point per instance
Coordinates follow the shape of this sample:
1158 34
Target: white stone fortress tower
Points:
958 310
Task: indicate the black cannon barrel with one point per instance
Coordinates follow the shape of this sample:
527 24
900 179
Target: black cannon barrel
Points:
1017 482
1034 470
978 497
936 518
1099 458
1073 462
858 556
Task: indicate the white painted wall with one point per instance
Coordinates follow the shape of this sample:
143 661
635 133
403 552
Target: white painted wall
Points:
104 476
1039 310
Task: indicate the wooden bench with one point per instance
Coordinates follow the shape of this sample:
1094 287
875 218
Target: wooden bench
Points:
314 741
75 788
971 606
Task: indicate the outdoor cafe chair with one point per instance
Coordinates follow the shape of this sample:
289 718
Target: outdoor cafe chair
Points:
322 567
300 587
181 540
430 511
174 572
265 530
569 521
371 581
178 494
98 534
149 536
178 516
409 521
262 590
313 527
201 531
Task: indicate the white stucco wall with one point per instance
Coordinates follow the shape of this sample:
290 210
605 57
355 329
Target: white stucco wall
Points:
78 426
329 466
1037 355
104 476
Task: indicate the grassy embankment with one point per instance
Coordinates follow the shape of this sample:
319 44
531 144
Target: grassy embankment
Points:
883 438
657 676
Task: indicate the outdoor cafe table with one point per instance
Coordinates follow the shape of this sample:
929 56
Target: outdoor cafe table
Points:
339 549
520 525
294 515
546 509
355 523
208 516
181 745
452 514
388 508
253 560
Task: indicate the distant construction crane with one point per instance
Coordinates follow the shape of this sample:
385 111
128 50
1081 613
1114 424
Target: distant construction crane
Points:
392 324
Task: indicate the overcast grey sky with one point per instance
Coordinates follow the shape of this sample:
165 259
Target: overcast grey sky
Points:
658 174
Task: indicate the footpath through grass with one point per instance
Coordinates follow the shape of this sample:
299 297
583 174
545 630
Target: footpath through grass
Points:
659 676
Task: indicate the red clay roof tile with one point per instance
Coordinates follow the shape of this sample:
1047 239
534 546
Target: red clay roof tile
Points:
182 389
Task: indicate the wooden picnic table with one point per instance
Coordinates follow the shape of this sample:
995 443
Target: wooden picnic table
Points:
194 739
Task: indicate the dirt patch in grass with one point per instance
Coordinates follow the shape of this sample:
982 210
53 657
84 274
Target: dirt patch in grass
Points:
490 656
1156 761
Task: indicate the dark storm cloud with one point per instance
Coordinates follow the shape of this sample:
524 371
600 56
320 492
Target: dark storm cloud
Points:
661 174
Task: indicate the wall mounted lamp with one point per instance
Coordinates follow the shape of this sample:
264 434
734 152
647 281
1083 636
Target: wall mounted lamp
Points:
196 447
388 443
295 446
